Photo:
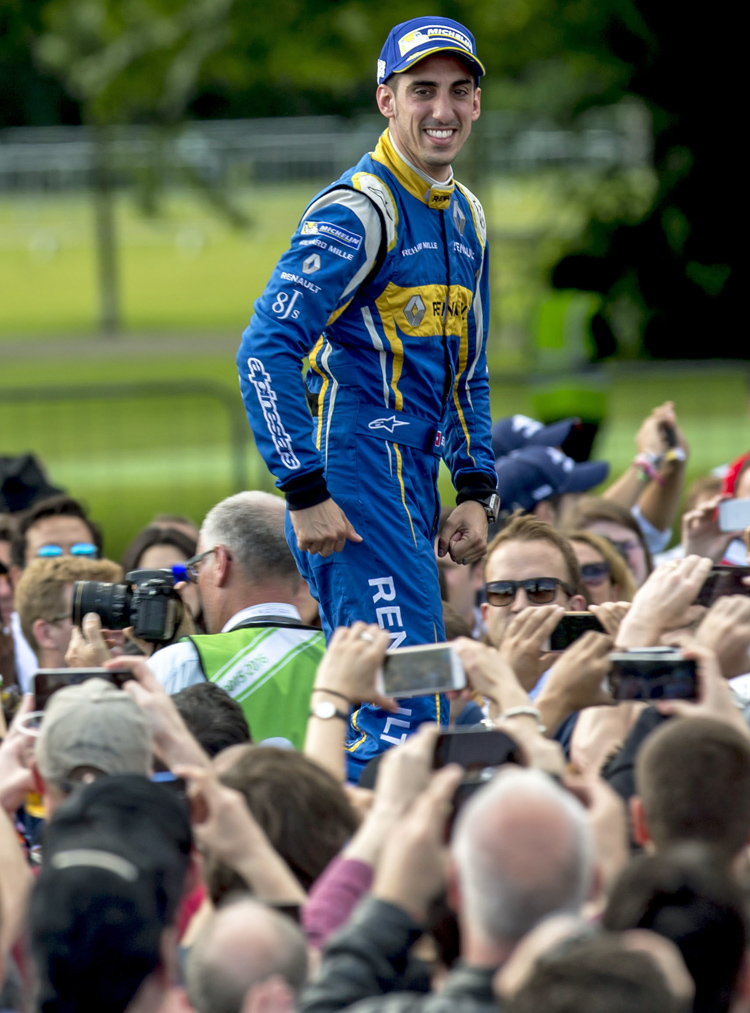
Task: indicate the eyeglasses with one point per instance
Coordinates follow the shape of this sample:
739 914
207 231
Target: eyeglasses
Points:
191 567
539 590
595 573
79 549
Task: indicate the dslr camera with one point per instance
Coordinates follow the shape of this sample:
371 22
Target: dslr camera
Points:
148 602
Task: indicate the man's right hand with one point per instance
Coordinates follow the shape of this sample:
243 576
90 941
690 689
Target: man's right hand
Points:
322 528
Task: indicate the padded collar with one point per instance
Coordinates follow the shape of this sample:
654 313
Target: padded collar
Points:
437 197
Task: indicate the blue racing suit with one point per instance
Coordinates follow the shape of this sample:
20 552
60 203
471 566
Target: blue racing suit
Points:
385 289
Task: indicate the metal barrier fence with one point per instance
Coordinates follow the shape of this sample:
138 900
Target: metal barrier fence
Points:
135 449
313 147
132 450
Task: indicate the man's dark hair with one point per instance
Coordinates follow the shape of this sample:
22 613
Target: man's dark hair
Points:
300 806
686 897
115 859
693 777
212 716
152 536
588 976
52 506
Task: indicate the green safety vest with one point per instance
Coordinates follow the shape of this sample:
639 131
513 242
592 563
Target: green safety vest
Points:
269 670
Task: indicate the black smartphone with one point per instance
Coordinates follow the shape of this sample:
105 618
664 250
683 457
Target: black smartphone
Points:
476 748
47 681
721 581
669 433
652 673
572 626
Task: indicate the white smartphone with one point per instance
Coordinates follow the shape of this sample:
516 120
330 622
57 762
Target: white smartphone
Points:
734 514
421 671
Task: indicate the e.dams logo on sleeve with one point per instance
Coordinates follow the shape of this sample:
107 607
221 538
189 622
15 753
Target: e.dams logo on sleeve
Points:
350 239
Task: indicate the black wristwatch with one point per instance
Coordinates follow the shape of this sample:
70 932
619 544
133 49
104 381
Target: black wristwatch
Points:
491 504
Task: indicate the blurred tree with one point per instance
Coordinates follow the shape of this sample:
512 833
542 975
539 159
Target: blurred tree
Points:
674 269
123 60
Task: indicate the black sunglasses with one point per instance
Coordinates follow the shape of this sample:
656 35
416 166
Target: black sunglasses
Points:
539 590
594 573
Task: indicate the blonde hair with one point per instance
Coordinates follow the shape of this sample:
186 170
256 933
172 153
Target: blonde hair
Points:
40 593
618 570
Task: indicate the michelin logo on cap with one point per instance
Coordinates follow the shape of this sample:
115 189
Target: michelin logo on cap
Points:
425 34
417 38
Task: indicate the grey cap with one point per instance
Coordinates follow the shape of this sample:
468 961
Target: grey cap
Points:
93 724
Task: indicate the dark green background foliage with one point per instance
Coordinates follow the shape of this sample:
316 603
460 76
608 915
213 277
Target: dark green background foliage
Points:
672 271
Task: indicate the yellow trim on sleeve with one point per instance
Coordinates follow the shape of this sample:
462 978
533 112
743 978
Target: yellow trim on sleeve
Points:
321 396
463 359
337 313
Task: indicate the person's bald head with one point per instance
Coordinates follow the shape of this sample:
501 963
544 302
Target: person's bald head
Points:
522 851
244 945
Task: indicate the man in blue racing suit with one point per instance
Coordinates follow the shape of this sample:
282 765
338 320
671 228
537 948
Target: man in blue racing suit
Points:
385 289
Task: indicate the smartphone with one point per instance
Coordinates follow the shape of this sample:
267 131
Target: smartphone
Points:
669 433
572 626
475 748
734 514
48 680
420 671
652 673
721 581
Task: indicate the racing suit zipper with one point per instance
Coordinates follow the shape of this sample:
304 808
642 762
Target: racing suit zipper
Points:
448 382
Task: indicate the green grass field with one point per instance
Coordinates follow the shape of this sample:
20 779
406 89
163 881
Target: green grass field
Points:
189 282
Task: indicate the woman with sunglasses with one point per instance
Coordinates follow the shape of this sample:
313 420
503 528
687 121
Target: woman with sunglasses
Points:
603 570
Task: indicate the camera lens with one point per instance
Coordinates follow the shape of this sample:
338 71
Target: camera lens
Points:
111 602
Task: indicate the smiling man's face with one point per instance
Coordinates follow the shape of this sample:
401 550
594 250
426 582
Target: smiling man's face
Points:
431 108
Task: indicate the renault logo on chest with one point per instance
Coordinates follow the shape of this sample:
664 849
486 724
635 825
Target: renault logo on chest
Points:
459 218
414 311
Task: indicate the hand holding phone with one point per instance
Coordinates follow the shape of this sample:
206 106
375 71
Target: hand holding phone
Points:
48 681
421 671
722 581
475 748
652 673
571 627
734 515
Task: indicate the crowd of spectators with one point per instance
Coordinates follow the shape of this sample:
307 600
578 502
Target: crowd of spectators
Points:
177 831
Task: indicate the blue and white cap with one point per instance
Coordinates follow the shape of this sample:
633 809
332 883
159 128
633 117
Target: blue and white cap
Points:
516 431
413 40
533 474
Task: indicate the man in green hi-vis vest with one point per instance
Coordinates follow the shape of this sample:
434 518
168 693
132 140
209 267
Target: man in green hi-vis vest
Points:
257 647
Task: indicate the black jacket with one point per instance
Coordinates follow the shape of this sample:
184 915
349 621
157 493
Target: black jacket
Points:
364 967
